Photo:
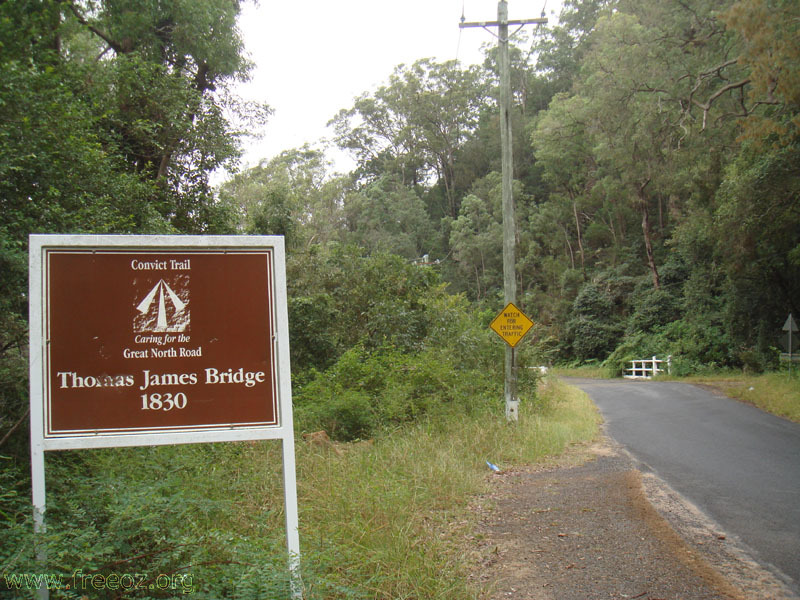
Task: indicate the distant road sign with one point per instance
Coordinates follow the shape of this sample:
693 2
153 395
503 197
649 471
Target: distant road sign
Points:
511 324
790 324
785 341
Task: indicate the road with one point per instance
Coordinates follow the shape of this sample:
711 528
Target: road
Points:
738 464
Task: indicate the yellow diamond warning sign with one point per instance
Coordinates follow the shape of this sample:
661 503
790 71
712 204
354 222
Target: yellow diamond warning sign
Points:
511 324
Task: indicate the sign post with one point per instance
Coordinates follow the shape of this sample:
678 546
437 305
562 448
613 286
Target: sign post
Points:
511 324
791 327
152 340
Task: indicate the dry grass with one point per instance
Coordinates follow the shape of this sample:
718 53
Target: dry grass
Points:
776 393
389 519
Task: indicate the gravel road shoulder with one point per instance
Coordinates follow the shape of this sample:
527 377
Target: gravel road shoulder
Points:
591 525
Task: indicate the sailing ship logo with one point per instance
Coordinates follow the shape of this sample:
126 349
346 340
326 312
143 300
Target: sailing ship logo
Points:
164 308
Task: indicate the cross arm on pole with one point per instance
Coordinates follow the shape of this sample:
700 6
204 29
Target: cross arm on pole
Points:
538 21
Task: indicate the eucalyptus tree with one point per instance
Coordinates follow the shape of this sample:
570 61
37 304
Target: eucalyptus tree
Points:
685 114
563 149
160 75
293 194
652 78
769 92
112 116
414 126
560 49
386 216
757 208
476 240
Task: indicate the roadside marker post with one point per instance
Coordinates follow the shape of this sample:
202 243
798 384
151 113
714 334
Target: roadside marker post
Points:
791 327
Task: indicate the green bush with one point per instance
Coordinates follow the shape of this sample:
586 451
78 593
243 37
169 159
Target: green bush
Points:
593 302
193 521
592 338
345 414
311 321
705 345
366 391
752 361
594 329
653 308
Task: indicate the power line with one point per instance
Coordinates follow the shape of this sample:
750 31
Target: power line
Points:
460 31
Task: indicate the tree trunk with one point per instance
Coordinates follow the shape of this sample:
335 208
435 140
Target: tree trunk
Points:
648 244
580 234
448 174
569 247
163 166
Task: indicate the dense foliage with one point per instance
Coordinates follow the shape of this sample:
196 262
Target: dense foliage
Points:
656 185
112 117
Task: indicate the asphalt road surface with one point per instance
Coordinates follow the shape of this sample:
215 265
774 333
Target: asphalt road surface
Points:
738 464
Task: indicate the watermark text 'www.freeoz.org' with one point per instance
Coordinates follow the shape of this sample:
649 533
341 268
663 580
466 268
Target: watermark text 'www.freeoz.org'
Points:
80 581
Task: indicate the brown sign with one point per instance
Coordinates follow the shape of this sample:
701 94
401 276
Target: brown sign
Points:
149 340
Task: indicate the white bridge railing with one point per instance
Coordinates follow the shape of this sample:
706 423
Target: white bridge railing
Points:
647 368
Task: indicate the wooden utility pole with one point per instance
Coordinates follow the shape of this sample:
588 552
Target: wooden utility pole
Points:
509 222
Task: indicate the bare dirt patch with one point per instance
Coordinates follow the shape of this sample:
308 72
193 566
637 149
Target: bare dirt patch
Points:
584 527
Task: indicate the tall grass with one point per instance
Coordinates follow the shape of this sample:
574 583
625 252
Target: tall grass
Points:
590 371
387 519
396 511
777 393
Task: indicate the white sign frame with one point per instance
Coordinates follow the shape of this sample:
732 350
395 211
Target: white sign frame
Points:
39 244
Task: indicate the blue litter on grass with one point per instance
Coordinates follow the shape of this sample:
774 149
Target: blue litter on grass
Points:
493 467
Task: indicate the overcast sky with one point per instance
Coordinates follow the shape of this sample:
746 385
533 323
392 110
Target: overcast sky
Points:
313 57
